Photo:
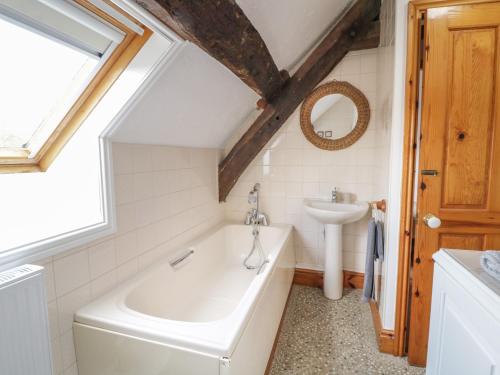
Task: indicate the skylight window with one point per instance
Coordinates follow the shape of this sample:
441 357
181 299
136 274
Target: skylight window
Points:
41 79
60 58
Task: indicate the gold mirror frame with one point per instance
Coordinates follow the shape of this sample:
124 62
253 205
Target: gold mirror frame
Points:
335 87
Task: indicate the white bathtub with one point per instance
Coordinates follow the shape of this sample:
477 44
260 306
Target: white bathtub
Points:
209 315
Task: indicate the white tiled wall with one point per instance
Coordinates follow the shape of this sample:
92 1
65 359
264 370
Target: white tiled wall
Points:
290 169
164 196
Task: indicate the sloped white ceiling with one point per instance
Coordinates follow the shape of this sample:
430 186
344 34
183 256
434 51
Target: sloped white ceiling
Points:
290 28
197 102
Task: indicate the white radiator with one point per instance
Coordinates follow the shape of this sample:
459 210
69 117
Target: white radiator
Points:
24 323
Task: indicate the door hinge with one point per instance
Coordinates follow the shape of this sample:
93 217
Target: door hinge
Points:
412 251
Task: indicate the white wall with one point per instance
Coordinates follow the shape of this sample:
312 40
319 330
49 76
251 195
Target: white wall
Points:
290 169
165 196
388 304
385 92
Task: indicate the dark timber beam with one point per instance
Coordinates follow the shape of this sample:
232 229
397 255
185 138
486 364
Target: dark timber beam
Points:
370 40
353 26
220 28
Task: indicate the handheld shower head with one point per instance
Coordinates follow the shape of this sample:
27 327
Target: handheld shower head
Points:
253 196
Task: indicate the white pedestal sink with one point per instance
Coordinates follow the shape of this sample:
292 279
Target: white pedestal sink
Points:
334 215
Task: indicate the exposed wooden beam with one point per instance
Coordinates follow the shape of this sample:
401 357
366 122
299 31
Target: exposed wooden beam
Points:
353 26
222 29
370 40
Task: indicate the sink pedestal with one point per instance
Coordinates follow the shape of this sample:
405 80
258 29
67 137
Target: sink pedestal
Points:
333 277
333 215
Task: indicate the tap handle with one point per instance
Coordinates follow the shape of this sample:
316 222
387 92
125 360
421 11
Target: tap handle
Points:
264 220
248 218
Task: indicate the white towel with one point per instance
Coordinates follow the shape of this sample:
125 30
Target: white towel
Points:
490 261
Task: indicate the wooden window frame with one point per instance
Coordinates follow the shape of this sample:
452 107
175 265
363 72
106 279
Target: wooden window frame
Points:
415 10
86 102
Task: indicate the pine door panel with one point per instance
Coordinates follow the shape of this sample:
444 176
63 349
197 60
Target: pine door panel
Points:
461 241
469 123
460 140
493 242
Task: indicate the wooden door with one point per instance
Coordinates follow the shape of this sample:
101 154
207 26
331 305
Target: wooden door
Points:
460 140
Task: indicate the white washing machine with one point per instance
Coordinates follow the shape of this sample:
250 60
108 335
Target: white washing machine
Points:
465 317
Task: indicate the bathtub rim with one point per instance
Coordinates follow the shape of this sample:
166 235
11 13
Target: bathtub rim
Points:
97 313
192 244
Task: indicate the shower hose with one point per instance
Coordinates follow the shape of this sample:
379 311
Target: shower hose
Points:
256 258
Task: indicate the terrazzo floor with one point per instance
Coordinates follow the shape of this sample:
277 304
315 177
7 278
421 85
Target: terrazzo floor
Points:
320 336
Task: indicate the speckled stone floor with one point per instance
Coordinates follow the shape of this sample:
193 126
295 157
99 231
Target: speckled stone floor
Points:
320 336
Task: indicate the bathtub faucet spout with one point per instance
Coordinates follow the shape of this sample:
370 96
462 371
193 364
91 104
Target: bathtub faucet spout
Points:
256 217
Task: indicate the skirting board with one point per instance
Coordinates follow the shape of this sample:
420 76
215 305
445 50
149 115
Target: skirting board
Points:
385 337
314 278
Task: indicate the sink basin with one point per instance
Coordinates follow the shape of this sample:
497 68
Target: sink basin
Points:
335 213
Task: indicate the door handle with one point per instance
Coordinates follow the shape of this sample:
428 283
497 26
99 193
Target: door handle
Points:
432 221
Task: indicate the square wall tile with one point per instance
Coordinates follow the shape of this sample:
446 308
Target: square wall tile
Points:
102 258
123 158
143 158
126 247
71 272
68 304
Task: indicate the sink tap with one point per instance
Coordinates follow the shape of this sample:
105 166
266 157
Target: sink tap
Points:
334 195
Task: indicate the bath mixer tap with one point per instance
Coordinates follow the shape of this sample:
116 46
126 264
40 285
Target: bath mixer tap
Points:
256 258
254 216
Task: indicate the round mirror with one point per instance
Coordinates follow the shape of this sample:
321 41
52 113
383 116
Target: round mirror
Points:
334 115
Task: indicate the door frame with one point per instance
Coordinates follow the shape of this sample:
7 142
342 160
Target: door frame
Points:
415 9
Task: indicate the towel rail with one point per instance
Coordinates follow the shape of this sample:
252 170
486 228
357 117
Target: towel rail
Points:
379 205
